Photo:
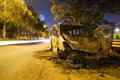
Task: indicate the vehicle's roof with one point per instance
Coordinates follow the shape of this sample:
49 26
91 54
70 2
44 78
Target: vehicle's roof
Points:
64 27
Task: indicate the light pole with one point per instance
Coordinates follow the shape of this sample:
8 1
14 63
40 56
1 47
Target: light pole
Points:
45 29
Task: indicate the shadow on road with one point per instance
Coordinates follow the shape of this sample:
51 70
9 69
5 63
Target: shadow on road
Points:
45 54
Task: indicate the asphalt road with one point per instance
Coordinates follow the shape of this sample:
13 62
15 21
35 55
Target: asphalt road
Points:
17 62
32 62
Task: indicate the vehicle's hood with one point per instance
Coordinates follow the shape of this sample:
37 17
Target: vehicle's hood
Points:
83 44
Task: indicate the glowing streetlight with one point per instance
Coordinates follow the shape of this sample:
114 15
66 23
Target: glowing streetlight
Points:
44 26
117 30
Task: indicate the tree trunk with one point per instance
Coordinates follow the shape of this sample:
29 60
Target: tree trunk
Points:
76 21
18 33
4 30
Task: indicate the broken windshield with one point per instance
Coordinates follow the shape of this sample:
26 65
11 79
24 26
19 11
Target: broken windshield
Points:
73 30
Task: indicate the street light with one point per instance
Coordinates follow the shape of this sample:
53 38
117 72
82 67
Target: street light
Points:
45 26
45 30
117 30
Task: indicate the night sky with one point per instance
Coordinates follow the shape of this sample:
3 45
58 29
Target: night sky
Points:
42 7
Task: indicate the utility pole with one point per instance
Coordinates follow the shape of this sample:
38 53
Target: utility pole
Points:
4 26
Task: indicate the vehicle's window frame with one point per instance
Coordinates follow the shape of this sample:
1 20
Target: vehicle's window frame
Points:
54 31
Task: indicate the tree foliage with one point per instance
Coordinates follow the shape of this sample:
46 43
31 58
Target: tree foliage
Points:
83 11
16 12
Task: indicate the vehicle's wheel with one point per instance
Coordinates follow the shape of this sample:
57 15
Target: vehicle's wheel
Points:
68 50
60 54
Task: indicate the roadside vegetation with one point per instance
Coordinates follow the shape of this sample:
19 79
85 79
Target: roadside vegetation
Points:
19 21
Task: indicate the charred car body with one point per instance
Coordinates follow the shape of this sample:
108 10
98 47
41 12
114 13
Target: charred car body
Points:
66 39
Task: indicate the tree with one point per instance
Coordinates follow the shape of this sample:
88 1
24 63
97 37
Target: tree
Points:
11 12
15 12
38 24
83 11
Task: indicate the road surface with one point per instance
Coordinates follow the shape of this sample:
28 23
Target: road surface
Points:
17 62
32 62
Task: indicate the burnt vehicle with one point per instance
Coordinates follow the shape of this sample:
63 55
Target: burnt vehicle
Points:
66 39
